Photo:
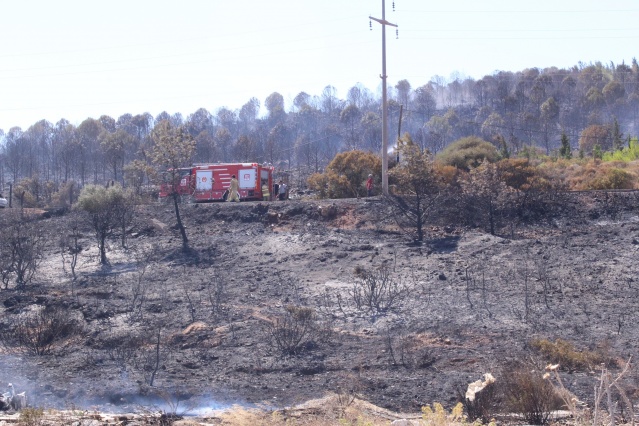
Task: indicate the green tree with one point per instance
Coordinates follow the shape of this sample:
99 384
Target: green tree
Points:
417 188
346 174
617 136
597 152
103 207
504 152
564 150
173 149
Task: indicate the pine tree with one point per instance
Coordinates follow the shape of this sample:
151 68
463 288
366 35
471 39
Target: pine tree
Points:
597 152
617 136
503 148
564 151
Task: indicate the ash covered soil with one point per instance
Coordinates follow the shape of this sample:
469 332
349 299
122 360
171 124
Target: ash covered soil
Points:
199 325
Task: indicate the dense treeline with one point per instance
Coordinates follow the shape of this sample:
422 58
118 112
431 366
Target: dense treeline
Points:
595 107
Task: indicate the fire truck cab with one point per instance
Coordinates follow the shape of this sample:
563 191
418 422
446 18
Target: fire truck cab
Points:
210 182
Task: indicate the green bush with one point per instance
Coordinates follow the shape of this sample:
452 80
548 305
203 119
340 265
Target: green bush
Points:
628 154
467 153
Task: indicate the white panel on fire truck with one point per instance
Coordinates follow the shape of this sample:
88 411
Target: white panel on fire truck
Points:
246 178
204 180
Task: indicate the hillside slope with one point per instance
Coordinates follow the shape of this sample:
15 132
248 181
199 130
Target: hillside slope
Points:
203 325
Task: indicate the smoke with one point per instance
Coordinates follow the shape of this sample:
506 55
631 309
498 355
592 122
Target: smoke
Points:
119 396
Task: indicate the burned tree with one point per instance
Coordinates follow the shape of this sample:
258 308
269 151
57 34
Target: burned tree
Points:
103 207
126 213
418 189
485 195
173 149
21 247
70 247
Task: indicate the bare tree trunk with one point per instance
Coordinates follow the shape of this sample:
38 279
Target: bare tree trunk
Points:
103 256
185 240
156 367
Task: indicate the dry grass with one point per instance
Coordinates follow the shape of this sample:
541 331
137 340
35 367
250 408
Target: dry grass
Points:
331 410
568 356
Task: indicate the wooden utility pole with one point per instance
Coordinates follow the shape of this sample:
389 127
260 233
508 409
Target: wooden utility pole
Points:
384 23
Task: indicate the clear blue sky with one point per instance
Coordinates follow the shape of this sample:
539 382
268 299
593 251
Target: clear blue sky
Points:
75 59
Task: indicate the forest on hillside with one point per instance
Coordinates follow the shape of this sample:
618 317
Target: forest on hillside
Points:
593 108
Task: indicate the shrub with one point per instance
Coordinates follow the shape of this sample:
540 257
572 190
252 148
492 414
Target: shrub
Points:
31 416
627 154
613 179
522 175
40 331
437 416
449 175
467 153
293 331
377 291
346 174
65 196
597 175
564 353
529 394
319 183
481 400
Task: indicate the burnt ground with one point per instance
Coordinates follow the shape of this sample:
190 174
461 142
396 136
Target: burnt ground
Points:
475 302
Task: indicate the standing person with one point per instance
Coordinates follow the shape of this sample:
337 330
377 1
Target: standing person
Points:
282 191
276 190
369 185
266 195
233 190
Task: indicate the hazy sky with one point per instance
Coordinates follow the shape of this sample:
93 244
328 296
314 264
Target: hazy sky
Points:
75 59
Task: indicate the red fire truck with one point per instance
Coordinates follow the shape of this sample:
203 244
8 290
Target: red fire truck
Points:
210 182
